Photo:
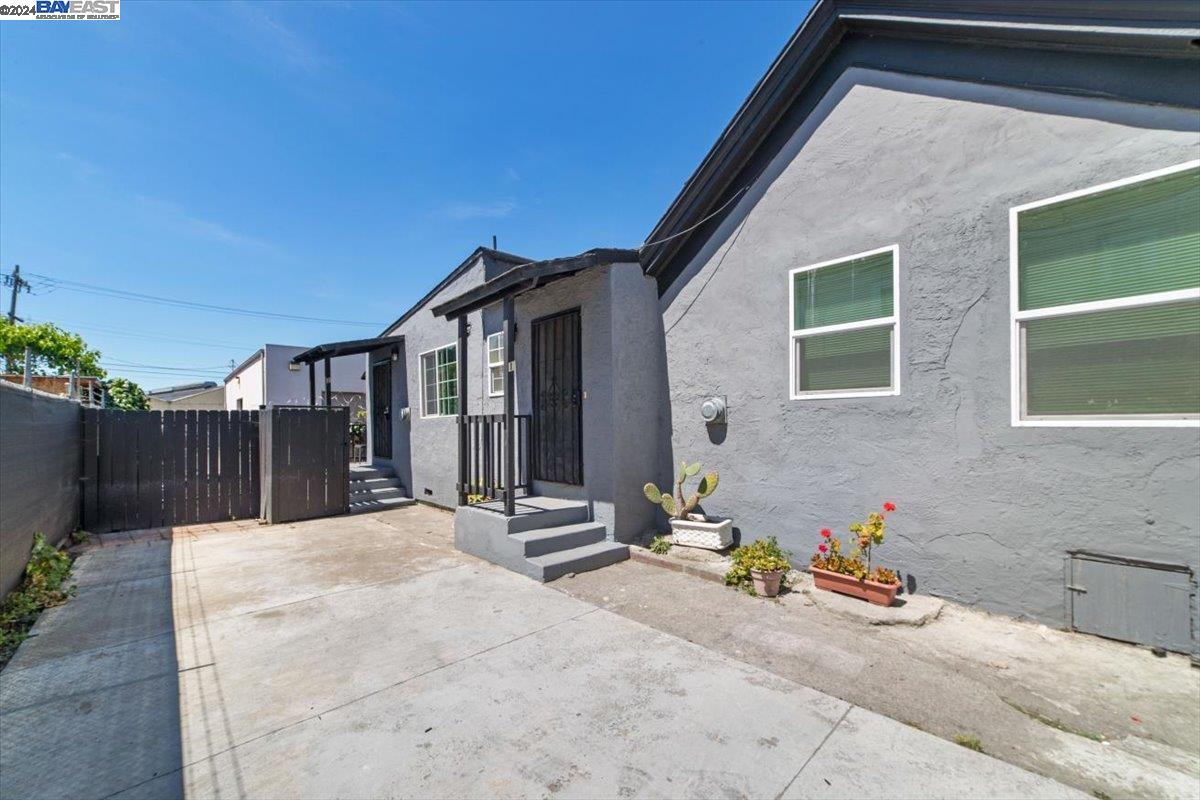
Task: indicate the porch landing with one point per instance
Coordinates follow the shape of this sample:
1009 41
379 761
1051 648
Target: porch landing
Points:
545 538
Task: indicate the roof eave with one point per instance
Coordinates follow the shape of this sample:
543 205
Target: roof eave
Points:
1066 24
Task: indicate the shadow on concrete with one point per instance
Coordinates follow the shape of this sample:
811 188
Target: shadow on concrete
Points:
92 705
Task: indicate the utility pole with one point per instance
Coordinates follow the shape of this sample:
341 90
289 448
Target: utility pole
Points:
18 285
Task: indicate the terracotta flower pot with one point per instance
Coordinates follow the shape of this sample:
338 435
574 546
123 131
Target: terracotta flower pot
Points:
881 594
766 584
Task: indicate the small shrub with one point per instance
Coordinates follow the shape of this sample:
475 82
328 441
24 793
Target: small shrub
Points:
969 742
660 545
764 555
79 536
473 499
41 588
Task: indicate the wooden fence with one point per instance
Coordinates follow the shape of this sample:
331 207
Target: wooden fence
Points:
306 467
148 469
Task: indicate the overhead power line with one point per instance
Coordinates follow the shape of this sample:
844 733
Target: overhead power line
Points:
104 291
133 334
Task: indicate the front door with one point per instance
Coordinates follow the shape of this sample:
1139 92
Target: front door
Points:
557 399
381 409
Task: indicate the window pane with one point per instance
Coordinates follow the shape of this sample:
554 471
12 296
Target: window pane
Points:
1127 241
846 292
1128 361
497 379
849 360
429 383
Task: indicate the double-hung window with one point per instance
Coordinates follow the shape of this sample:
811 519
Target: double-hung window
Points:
844 327
439 382
1105 301
495 363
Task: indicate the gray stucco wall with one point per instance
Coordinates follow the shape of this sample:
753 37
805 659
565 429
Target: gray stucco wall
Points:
987 511
621 365
425 449
40 441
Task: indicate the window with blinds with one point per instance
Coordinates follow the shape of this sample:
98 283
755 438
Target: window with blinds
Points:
439 382
844 327
1106 318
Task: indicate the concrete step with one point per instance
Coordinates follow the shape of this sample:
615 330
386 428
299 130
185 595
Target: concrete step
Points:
371 484
578 559
363 506
359 472
378 494
544 541
549 514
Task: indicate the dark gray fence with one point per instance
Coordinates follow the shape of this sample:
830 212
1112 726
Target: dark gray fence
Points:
306 462
39 474
149 469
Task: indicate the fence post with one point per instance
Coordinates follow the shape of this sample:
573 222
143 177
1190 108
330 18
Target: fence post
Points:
461 374
510 455
266 465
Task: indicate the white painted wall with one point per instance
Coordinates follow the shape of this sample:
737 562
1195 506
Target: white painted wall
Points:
268 381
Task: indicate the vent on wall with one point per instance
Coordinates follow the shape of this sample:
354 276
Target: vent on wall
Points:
1132 600
428 491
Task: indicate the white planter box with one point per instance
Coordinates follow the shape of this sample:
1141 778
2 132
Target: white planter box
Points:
701 531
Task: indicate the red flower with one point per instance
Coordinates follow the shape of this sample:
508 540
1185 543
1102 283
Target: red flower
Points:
822 547
889 506
826 533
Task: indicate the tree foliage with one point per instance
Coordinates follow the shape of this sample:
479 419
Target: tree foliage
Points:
126 395
53 350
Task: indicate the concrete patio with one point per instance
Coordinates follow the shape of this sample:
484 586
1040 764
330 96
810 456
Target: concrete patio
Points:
364 657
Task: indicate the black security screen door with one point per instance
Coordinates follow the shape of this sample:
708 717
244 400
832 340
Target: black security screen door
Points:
557 399
381 409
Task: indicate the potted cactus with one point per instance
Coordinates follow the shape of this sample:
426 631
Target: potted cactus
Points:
688 529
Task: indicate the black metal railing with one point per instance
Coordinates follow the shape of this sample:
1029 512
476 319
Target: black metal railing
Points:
485 455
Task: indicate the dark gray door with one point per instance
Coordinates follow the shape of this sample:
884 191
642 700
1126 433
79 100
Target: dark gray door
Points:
557 399
381 409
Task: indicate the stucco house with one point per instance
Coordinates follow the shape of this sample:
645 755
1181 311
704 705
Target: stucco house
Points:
199 396
268 378
946 254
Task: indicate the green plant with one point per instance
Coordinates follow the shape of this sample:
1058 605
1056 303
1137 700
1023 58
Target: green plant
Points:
678 507
829 554
764 555
969 742
473 499
42 587
660 545
126 395
79 536
53 350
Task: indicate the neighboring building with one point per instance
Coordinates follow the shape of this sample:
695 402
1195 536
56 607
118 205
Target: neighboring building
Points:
88 390
945 259
207 396
268 378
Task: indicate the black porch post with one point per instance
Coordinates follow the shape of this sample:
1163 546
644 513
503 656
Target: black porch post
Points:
510 455
461 375
312 383
328 386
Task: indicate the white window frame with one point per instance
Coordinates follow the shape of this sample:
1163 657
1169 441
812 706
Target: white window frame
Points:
491 366
421 371
892 321
1017 317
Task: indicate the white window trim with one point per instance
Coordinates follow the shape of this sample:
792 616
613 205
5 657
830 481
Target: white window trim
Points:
1016 317
487 354
421 373
877 322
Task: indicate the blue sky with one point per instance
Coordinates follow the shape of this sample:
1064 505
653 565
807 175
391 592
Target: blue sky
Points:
335 160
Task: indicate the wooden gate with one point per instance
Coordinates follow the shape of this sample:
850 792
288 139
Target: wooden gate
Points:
149 469
557 399
306 462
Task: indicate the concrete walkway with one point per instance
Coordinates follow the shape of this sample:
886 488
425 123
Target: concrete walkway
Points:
364 657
